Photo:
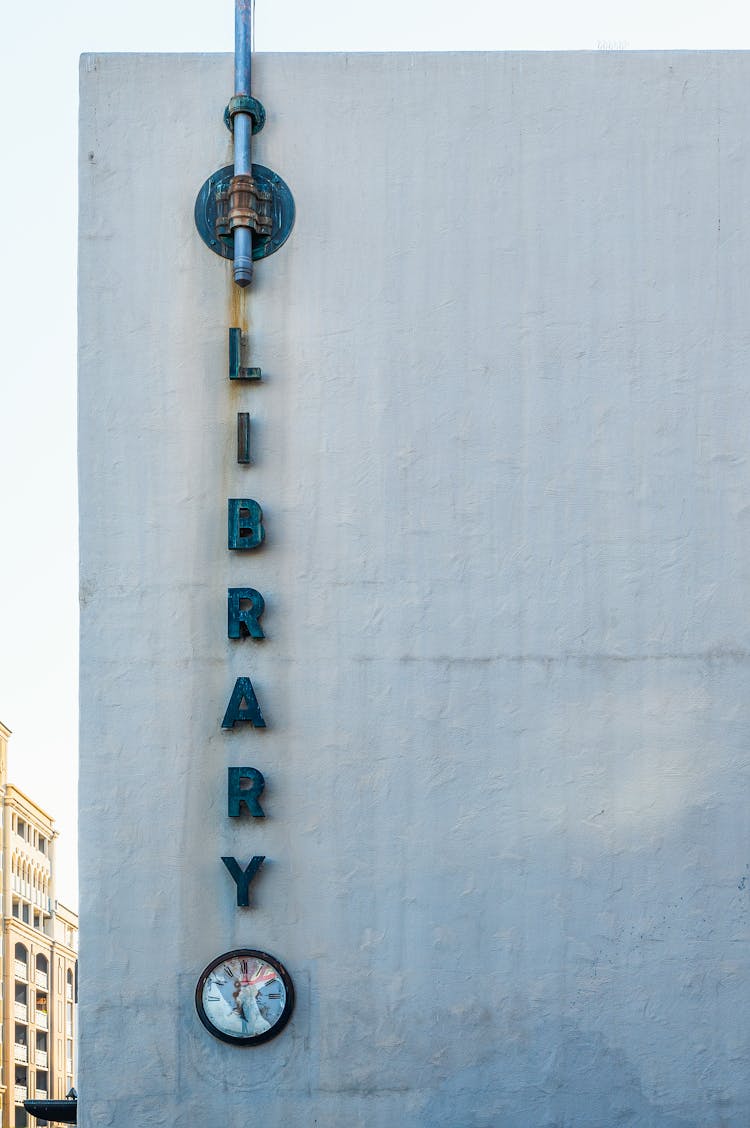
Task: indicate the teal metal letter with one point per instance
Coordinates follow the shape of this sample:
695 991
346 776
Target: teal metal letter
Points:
243 691
243 438
236 371
243 878
244 621
245 523
237 794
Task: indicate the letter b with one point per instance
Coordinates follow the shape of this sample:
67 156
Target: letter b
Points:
245 523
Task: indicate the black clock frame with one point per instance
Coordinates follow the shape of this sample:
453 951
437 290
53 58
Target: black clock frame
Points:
253 1039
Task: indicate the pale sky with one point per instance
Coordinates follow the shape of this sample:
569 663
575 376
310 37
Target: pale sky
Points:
38 111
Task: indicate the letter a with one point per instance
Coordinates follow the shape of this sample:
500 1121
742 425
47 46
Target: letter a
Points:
236 711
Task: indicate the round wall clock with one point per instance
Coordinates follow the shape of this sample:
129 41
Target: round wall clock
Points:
244 997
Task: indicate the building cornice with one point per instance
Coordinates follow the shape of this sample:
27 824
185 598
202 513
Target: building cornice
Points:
17 798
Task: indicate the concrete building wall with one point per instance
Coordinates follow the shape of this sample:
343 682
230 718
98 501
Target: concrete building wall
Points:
501 449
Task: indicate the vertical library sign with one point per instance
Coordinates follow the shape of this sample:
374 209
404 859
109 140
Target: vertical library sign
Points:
244 212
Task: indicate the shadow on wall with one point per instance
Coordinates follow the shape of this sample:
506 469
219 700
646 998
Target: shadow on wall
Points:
585 1084
604 973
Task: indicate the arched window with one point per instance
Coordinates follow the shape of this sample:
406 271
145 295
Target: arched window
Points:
42 968
22 962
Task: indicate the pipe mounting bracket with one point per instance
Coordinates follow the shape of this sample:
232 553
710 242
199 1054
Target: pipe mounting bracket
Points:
261 201
244 104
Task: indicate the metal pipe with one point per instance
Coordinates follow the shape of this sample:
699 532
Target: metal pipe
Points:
243 132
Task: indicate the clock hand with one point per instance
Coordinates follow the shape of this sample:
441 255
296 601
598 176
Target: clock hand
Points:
263 975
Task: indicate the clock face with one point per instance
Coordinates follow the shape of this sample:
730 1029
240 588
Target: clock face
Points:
244 997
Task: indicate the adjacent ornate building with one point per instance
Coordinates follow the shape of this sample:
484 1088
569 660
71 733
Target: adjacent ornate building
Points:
39 958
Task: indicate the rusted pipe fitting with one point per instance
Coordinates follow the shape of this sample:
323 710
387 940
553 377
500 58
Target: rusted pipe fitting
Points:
249 206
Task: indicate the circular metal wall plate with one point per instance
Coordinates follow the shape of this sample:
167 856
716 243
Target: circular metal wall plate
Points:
263 245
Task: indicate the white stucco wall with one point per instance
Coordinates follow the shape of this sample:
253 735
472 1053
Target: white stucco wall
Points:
501 447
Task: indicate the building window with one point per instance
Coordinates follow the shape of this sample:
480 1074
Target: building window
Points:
25 913
16 909
69 984
41 1009
21 1044
43 844
21 1120
21 962
21 828
42 970
21 1083
37 921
